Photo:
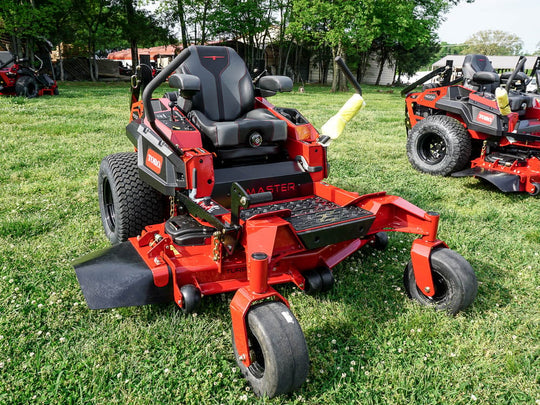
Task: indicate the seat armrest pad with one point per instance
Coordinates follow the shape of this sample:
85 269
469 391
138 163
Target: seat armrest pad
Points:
485 77
275 83
185 82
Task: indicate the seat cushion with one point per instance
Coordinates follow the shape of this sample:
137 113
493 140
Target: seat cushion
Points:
242 131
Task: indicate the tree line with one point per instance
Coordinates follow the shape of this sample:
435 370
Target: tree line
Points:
400 31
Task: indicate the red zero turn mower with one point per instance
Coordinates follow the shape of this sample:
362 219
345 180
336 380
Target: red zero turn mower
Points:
18 79
225 193
477 128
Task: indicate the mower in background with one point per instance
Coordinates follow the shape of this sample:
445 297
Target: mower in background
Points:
225 193
18 78
478 124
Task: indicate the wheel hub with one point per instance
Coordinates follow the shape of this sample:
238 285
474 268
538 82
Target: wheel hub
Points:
108 203
432 148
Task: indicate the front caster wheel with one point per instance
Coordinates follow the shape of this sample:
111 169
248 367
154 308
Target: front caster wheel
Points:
379 241
327 278
191 298
278 351
313 282
453 278
536 189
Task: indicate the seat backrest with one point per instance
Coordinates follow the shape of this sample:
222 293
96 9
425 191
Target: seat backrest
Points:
479 75
226 88
476 63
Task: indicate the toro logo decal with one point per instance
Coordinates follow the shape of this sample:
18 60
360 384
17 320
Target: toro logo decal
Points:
154 161
485 118
213 57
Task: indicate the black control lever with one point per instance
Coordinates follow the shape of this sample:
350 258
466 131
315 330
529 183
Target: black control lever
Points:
171 106
241 199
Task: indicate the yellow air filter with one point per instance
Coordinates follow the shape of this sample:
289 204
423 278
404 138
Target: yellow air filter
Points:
502 101
334 126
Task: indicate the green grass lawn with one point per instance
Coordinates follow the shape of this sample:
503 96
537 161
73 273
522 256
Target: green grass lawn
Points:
368 343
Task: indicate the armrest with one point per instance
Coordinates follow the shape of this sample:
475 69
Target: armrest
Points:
484 77
270 85
185 82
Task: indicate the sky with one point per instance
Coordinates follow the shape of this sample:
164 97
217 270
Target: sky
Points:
519 17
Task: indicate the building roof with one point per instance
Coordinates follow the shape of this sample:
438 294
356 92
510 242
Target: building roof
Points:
166 50
498 62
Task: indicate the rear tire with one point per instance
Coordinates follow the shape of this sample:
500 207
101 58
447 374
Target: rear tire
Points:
278 350
127 204
439 145
454 280
26 86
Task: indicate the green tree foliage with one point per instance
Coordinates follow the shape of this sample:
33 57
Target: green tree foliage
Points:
136 27
249 21
404 32
30 21
399 32
333 24
493 42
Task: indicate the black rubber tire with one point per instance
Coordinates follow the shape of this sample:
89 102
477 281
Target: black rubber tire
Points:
327 278
536 189
191 297
127 204
26 86
379 241
278 350
313 282
439 145
454 280
56 92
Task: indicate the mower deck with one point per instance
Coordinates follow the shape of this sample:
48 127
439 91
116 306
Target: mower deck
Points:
508 172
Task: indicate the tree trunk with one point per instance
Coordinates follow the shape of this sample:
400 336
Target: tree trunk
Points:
384 57
287 59
61 61
335 71
203 24
183 27
339 82
130 14
134 54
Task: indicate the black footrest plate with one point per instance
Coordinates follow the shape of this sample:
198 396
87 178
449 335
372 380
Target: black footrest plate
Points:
187 231
319 222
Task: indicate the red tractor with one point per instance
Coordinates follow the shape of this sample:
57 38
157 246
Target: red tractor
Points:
225 193
471 126
17 78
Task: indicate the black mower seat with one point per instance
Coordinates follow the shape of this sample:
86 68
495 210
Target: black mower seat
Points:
478 73
223 108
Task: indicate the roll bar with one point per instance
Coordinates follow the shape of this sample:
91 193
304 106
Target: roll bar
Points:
156 81
154 84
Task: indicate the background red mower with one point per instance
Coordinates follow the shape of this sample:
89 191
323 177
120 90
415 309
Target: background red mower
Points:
477 128
225 193
18 78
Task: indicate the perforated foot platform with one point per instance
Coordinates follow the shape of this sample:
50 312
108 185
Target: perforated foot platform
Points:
319 222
